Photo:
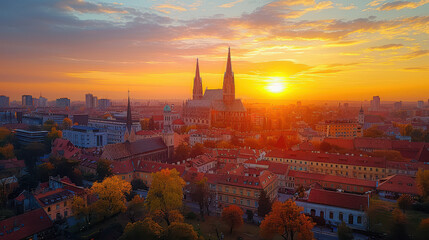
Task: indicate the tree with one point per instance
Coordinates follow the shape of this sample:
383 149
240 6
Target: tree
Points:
165 193
81 209
344 232
111 195
423 229
286 220
67 123
197 150
373 132
423 182
31 152
180 231
103 169
135 208
182 152
398 229
49 124
232 216
209 144
137 183
264 204
146 229
7 152
45 170
4 135
54 134
405 202
200 193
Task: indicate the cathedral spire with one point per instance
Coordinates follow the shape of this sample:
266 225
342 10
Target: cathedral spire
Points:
198 86
228 82
129 119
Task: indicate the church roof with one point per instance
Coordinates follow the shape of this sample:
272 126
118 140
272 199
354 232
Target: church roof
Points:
167 108
213 94
127 149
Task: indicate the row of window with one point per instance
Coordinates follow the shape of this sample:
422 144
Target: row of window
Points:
242 202
340 216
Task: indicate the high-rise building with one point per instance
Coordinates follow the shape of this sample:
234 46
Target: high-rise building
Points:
420 104
62 102
43 102
104 103
27 100
397 105
94 102
89 101
375 104
4 101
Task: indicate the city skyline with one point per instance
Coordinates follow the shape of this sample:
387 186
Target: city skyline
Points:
298 49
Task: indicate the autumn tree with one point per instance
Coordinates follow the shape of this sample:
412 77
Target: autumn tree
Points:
103 169
197 150
182 152
49 124
209 144
67 123
405 202
286 220
344 232
180 231
373 132
45 170
264 204
135 208
200 193
423 229
81 210
54 134
7 152
423 182
165 193
146 229
111 195
398 229
232 216
4 135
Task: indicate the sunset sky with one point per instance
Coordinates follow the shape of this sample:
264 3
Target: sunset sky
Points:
318 50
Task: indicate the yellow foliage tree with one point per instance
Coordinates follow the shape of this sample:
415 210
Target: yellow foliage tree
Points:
179 231
146 229
81 209
54 134
165 193
111 198
286 220
67 123
423 182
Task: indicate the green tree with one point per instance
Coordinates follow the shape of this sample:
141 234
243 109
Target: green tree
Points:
103 169
146 229
165 193
344 232
180 231
264 204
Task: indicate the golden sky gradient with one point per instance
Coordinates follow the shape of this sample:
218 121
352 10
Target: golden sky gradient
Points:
315 50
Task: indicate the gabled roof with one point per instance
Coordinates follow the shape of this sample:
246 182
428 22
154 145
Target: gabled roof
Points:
24 225
399 184
259 182
338 199
213 94
333 179
129 149
122 167
151 167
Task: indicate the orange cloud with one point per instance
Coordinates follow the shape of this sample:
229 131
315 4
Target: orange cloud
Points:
386 47
231 4
163 8
398 5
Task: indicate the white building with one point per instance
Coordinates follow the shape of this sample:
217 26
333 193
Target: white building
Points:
85 137
336 207
115 129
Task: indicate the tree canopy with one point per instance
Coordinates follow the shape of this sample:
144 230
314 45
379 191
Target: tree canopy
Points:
111 195
232 216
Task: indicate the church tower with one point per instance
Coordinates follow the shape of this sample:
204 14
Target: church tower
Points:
167 132
198 85
361 116
228 82
130 135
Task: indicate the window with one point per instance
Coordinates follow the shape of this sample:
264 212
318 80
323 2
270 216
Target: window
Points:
340 216
331 215
350 219
57 207
359 219
322 214
313 212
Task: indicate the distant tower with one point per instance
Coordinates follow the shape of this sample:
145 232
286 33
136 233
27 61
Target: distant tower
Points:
167 132
130 135
228 82
361 116
198 85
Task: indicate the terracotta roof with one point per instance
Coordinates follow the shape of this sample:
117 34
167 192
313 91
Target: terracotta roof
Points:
178 122
148 132
259 182
150 167
24 225
201 160
158 118
373 143
333 179
129 149
122 167
345 143
338 199
399 184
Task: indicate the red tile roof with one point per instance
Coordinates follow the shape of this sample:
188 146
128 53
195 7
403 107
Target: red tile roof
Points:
344 143
148 132
399 184
178 122
24 225
333 179
259 182
338 199
150 167
122 167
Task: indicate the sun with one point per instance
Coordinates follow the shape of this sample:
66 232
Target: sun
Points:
275 85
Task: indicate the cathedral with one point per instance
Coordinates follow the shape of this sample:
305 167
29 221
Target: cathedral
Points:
216 107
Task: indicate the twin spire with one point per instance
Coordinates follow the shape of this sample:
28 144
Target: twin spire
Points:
228 89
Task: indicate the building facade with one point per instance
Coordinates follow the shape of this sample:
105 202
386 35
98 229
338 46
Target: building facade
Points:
85 137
